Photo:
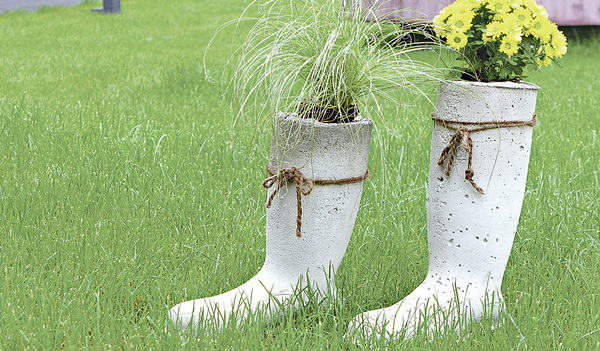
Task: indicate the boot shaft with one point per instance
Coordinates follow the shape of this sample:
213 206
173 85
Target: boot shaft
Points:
471 234
325 151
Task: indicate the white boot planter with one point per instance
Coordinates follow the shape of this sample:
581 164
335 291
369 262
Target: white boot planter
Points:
313 199
324 62
479 159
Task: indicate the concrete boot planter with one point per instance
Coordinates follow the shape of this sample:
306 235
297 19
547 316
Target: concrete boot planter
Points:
472 212
301 258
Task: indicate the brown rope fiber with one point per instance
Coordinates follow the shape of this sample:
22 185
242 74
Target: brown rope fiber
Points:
304 186
462 137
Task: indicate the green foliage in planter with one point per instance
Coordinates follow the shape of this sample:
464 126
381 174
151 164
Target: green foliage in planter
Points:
304 57
497 39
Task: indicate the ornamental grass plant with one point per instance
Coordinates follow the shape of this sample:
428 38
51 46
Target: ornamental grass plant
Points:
497 39
326 61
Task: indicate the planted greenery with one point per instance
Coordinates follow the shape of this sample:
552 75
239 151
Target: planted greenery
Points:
497 39
326 61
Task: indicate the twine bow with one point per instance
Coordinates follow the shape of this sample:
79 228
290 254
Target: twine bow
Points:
304 186
462 137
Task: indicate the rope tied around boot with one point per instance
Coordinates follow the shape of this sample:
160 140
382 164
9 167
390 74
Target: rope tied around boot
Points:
462 137
304 186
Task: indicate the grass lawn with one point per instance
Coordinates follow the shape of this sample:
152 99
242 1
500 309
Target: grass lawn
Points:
126 187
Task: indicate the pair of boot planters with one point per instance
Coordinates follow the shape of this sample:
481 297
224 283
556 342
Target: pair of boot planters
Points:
480 149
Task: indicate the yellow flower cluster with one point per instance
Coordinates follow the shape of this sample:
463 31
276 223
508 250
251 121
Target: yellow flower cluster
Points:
505 22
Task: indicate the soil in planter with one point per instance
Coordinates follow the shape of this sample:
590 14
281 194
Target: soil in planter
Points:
476 76
327 114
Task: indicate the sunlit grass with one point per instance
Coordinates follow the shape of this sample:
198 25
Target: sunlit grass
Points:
125 188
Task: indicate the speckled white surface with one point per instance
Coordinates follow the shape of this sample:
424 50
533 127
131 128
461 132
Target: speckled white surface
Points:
470 235
320 151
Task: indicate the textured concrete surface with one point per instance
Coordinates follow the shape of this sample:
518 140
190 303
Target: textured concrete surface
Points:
470 235
319 151
32 5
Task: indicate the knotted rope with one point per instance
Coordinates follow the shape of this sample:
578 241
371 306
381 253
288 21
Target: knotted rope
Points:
304 186
462 137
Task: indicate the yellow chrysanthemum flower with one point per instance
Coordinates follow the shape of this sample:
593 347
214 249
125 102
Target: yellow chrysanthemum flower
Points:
539 10
509 46
515 4
511 27
493 31
460 22
549 51
456 40
552 28
463 9
439 26
523 16
541 28
546 61
444 14
477 4
441 29
559 43
498 6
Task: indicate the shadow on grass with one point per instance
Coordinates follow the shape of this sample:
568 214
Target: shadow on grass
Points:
581 34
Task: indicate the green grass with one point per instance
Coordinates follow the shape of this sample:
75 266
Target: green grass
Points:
126 187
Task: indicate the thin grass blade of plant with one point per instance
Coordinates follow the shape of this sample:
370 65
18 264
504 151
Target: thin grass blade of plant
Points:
327 56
